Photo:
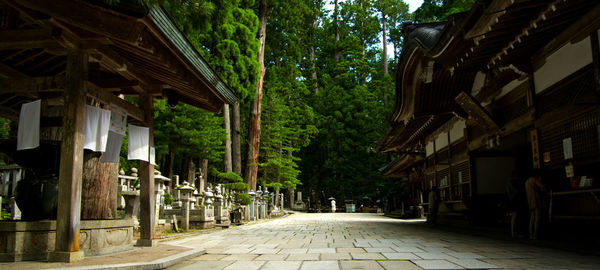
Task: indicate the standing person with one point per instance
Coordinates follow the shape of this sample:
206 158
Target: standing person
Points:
332 206
434 201
515 198
535 198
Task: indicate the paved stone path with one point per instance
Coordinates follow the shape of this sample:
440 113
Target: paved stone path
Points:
365 241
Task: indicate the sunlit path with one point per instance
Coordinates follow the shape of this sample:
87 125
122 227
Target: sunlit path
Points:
365 241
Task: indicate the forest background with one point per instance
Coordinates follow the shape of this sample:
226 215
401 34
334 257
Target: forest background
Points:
315 86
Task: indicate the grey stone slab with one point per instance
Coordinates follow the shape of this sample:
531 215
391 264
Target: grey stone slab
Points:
367 256
351 250
465 255
436 249
320 265
379 249
252 265
209 257
399 265
401 256
206 265
272 257
407 249
293 251
321 250
432 255
237 251
303 257
282 265
435 264
239 257
335 256
266 251
473 264
363 265
341 245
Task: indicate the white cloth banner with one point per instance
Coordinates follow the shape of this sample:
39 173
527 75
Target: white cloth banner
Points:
118 119
113 147
28 133
97 123
152 156
138 143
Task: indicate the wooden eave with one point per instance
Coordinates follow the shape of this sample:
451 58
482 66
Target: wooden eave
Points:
131 55
398 167
491 37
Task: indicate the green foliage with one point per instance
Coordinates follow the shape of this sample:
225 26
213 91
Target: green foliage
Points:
439 10
189 131
243 198
224 31
4 128
168 198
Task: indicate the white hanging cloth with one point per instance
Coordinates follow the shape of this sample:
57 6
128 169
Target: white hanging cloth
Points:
138 143
116 132
113 147
97 123
28 133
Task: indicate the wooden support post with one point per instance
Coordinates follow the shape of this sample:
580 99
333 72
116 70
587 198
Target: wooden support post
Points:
146 172
71 161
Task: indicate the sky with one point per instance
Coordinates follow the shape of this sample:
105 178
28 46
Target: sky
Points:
413 4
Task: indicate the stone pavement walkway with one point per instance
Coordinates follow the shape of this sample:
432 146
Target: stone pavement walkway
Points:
365 241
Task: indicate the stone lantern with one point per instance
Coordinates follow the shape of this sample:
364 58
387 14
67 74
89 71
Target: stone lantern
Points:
221 215
186 197
252 198
258 201
266 203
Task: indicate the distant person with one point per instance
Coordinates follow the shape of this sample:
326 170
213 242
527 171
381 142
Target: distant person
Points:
535 198
332 206
515 200
434 202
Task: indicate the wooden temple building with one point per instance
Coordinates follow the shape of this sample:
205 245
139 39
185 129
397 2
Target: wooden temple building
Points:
507 87
70 53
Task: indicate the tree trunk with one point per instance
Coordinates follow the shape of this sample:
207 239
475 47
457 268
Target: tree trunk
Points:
227 126
385 57
99 189
236 148
337 33
254 135
312 54
202 180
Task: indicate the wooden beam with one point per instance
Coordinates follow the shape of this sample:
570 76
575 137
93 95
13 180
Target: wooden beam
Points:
107 97
71 161
26 39
119 64
9 72
477 114
90 17
32 85
113 83
147 196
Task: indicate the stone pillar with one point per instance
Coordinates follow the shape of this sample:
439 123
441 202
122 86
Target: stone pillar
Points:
66 247
258 201
186 195
252 197
266 203
132 204
147 195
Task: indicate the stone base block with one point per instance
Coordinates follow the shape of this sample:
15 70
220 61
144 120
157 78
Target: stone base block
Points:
34 240
65 256
146 243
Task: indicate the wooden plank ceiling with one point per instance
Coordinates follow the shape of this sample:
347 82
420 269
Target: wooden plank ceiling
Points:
128 55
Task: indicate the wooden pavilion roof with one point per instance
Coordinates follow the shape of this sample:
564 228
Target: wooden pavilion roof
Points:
496 37
398 167
133 49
